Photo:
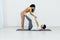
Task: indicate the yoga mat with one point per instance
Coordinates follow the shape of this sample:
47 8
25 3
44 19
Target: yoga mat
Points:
34 30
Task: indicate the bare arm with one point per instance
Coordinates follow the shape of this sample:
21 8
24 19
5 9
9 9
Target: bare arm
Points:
34 17
32 13
36 22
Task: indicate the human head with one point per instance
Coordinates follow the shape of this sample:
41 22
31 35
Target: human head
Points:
43 26
33 7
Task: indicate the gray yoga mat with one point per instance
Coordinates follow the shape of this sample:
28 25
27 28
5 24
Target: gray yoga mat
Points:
34 30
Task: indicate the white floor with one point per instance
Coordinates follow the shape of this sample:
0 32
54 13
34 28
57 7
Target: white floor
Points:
12 34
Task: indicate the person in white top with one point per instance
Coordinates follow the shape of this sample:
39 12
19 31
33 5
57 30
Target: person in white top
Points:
29 9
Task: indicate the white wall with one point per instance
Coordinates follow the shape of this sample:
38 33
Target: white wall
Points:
47 11
1 13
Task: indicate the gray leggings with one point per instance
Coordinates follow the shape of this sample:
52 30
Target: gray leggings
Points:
30 23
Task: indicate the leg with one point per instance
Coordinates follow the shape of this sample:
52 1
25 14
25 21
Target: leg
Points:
30 23
22 21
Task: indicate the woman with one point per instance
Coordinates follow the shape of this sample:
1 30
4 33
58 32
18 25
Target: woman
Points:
29 9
